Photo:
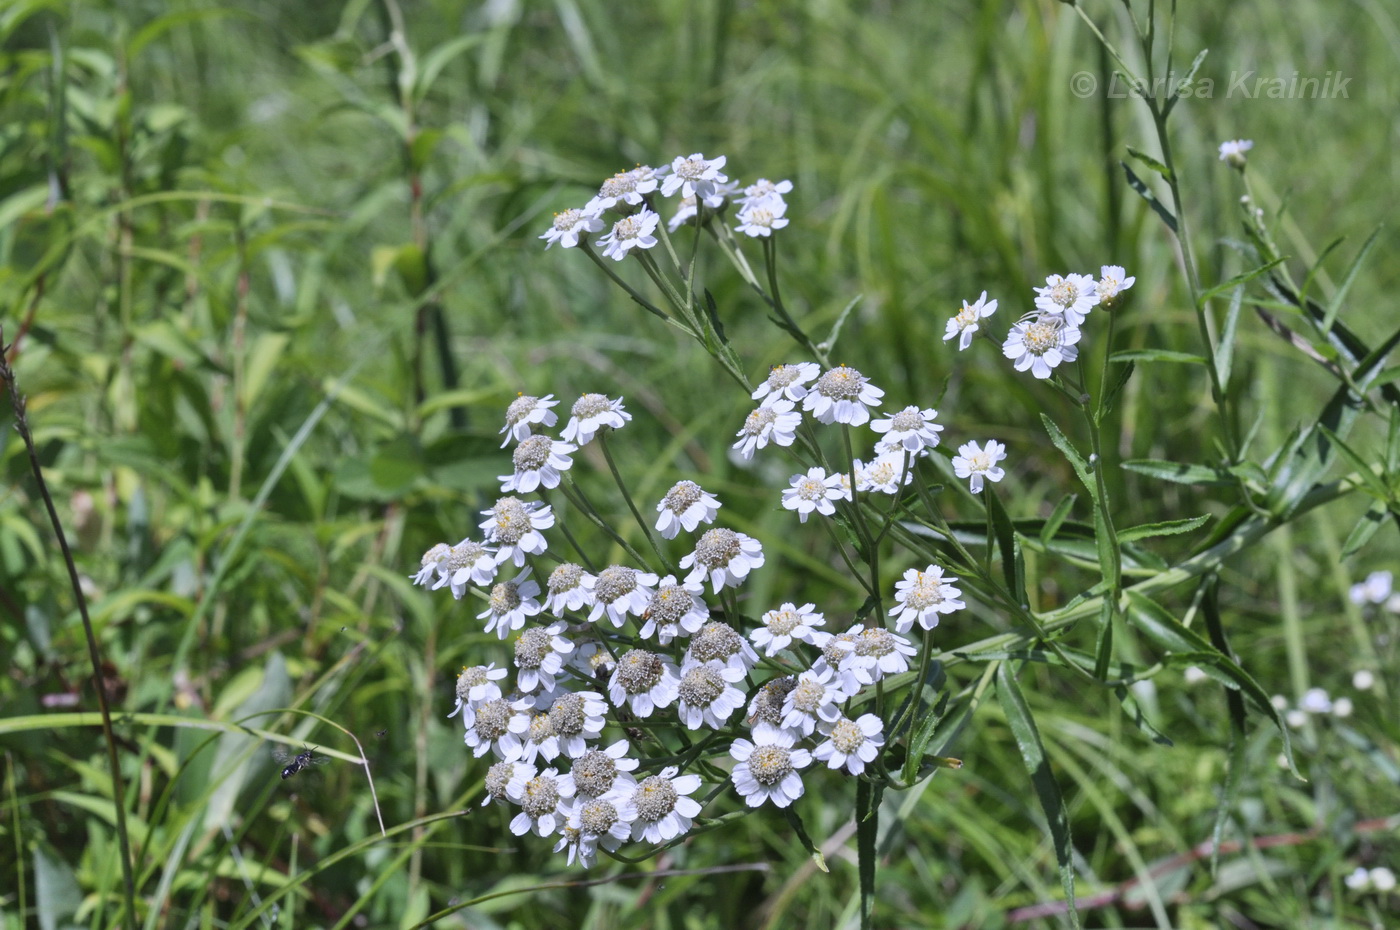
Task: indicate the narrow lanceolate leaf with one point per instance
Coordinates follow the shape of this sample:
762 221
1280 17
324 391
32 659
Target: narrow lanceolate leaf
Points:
1150 163
1057 519
1143 191
1165 528
1334 306
1371 521
1234 282
1081 467
1157 355
1225 347
1180 472
1013 565
1023 728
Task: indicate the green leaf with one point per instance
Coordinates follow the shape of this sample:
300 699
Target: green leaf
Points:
439 57
1164 528
263 359
1023 728
1057 518
801 830
1013 566
1334 306
1234 282
1145 193
1225 347
1150 163
1371 521
1180 472
1157 355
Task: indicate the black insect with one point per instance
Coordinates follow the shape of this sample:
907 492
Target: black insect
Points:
295 762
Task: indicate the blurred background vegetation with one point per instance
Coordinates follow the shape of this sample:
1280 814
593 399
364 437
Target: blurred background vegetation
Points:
271 272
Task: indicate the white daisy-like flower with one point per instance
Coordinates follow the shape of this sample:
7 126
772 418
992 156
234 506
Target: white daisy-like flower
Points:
643 681
1363 679
787 381
674 609
879 653
723 556
514 526
685 506
1113 281
1234 151
592 412
766 708
539 655
525 412
976 463
570 226
1383 879
539 740
838 650
541 802
923 596
1315 701
909 430
570 588
497 727
432 564
765 188
789 622
1041 344
659 807
812 700
627 187
539 461
882 473
599 772
1070 296
578 718
620 592
708 696
510 603
761 217
1374 590
966 321
468 562
850 744
685 212
775 421
593 662
813 491
630 232
767 769
1359 879
717 641
696 176
595 822
475 686
505 781
842 395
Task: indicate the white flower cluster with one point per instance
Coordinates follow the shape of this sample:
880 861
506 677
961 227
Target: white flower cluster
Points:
697 180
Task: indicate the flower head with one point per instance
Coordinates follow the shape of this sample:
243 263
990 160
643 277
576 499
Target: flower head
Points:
922 597
595 822
763 187
577 717
620 591
708 696
850 744
1041 344
527 411
590 413
767 769
685 212
570 588
510 603
505 781
775 421
570 226
643 681
541 803
538 461
514 525
812 699
718 642
879 653
685 506
1068 296
432 564
842 395
1113 281
966 321
475 686
976 463
760 217
624 187
659 807
696 176
674 609
787 381
723 556
497 727
813 491
600 772
882 473
1374 590
468 562
785 624
539 655
630 232
909 430
1234 151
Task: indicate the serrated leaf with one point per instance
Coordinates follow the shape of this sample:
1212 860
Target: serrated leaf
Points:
1180 472
1164 528
1150 163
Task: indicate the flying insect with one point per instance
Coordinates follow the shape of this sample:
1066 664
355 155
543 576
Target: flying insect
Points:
296 762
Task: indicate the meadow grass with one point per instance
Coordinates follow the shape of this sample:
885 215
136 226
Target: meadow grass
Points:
272 275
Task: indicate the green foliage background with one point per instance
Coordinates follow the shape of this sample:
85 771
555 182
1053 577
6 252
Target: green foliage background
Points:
273 275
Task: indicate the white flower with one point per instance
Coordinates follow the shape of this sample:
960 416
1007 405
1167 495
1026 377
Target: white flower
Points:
505 781
593 662
975 463
776 421
1113 281
708 696
570 588
761 217
1041 344
467 563
527 411
595 822
842 395
1359 879
838 653
673 609
590 413
599 772
1194 674
1315 701
475 686
786 381
851 744
432 564
813 491
811 700
540 802
659 807
1342 708
767 769
1233 151
570 226
538 461
723 556
540 740
620 591
1383 879
909 430
767 705
718 642
510 603
685 212
514 526
879 653
497 727
789 622
882 474
1296 719
765 188
539 654
698 177
685 506
623 187
1374 590
577 717
1363 680
643 681
965 322
1069 296
922 597
630 232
